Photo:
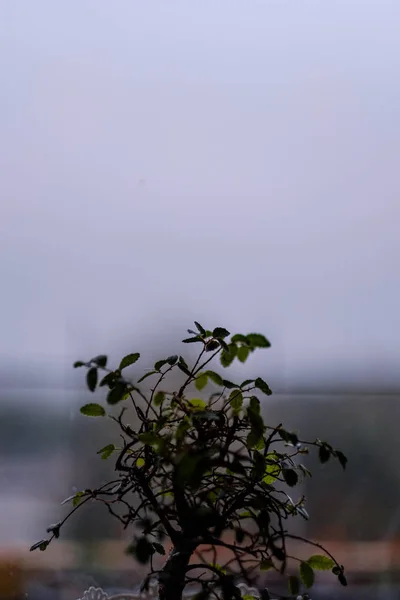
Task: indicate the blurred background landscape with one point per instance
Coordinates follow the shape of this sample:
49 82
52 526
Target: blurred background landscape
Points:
231 163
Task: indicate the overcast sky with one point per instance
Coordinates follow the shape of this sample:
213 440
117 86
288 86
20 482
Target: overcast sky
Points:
231 162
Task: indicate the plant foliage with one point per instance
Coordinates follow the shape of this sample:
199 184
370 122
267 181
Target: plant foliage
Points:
209 473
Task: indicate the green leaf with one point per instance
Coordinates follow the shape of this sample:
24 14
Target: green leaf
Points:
223 344
140 462
254 405
257 340
93 410
91 379
200 328
253 439
183 367
236 401
272 469
42 545
77 498
142 549
293 585
192 340
293 439
147 375
100 361
201 381
243 353
198 403
106 451
263 386
159 398
341 458
181 430
288 436
212 345
78 364
324 454
306 574
159 548
229 384
183 362
227 358
215 378
290 476
220 332
159 364
172 360
256 421
108 379
116 394
270 479
319 562
260 445
128 360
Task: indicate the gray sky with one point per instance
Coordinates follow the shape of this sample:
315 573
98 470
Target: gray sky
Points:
231 162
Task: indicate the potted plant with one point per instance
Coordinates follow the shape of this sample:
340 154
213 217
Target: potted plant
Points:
204 475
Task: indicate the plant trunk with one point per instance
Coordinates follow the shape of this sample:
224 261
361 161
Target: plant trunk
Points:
172 577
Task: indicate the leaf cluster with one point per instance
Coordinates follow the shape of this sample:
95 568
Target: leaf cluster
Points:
206 472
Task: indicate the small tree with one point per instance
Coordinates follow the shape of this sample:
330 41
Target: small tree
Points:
203 474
